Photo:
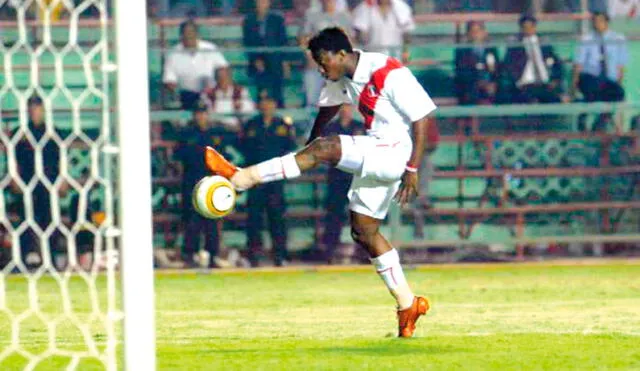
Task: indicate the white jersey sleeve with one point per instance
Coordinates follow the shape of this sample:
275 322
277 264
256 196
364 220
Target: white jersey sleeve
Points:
407 95
333 93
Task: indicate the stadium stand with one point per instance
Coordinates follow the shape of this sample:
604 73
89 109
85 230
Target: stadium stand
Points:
520 174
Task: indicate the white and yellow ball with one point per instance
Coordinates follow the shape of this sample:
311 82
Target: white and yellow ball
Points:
214 197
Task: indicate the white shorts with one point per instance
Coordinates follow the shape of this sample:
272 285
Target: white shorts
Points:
377 164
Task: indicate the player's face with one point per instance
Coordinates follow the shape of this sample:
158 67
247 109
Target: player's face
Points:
600 23
528 28
330 65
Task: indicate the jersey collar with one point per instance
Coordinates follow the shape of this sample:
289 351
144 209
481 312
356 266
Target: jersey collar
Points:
362 73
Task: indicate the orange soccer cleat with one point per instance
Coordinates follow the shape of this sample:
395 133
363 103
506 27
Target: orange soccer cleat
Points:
217 164
407 318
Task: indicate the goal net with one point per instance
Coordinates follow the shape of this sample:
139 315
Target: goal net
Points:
61 235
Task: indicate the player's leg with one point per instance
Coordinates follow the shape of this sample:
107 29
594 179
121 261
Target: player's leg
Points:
365 231
322 150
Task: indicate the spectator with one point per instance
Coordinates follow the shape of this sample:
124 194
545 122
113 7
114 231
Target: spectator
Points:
532 70
599 66
384 26
191 154
426 172
338 183
37 146
476 68
629 9
330 16
229 98
266 136
266 28
191 65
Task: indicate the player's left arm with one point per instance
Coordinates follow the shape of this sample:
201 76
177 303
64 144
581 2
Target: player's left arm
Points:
410 99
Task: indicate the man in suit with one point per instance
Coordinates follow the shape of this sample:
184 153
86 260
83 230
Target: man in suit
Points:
476 68
532 70
266 28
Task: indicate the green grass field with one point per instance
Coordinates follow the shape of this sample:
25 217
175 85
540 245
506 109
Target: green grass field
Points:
528 316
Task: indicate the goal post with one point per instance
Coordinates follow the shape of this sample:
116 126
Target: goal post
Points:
135 184
76 254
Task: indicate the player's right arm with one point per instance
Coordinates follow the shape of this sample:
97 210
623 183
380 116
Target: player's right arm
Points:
325 115
332 97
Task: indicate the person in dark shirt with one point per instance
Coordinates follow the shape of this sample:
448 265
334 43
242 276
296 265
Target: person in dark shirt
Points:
40 205
476 68
338 183
190 152
266 28
266 136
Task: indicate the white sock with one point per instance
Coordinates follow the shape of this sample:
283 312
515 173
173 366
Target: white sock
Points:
389 269
277 168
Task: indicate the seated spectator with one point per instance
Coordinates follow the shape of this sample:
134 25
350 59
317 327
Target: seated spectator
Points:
330 16
384 26
533 71
266 28
476 68
600 61
599 65
227 97
191 65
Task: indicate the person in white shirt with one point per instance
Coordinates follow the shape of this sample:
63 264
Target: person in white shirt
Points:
533 70
230 99
384 26
329 16
191 65
623 9
384 162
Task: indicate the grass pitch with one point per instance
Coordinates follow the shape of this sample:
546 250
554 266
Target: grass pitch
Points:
483 317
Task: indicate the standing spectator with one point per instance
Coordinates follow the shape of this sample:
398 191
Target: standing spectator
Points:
599 65
227 97
266 136
532 70
34 147
338 183
191 65
384 26
266 28
191 154
330 16
476 68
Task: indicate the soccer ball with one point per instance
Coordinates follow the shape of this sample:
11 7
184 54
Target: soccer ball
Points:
213 197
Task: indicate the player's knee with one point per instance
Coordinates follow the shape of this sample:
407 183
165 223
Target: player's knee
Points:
326 149
364 235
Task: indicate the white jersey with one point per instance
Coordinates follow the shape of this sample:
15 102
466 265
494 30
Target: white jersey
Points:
386 93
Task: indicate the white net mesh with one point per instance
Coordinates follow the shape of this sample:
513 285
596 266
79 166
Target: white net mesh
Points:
58 303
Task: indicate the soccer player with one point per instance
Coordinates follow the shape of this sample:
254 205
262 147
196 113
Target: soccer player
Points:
384 162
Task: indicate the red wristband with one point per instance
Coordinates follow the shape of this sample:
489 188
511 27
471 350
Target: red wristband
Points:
411 169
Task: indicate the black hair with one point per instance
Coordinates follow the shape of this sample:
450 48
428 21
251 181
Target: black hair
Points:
527 18
332 39
597 14
187 23
470 25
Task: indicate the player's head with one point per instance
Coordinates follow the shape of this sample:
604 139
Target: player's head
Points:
528 25
201 115
330 49
600 21
36 110
189 34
